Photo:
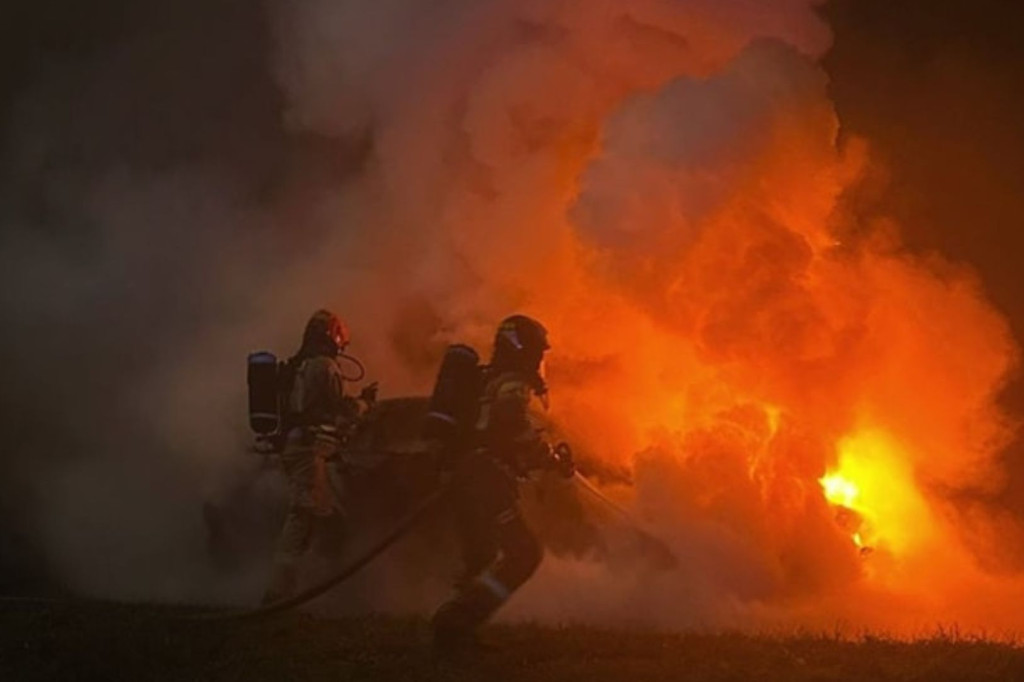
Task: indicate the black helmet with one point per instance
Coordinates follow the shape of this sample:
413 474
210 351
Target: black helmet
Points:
325 334
519 345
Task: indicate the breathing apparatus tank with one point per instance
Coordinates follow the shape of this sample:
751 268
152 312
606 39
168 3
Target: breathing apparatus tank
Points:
264 405
455 401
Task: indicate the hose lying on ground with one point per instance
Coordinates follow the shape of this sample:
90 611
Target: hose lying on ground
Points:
408 522
394 535
665 555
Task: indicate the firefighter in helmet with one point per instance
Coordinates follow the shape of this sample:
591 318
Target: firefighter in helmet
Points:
500 552
317 415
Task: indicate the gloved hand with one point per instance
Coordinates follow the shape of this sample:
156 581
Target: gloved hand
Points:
369 394
563 460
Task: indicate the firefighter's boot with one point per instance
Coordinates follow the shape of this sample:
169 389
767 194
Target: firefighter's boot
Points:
455 624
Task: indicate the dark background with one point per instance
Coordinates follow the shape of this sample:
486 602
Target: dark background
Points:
935 86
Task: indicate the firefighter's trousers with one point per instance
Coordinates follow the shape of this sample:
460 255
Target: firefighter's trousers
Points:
500 552
311 506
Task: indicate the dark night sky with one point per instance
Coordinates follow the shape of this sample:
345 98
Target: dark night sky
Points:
937 88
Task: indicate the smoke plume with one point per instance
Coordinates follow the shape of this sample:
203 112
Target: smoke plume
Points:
744 348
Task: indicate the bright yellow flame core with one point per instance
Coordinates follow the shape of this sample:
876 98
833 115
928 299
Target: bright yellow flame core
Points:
839 490
873 478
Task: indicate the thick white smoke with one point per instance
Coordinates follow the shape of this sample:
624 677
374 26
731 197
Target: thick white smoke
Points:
445 164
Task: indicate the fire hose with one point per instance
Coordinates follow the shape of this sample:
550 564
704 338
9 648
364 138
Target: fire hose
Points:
665 556
399 531
394 535
406 524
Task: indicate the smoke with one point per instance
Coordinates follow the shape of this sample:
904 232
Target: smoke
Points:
134 242
933 92
663 182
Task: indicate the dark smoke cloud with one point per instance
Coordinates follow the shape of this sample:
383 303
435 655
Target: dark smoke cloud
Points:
162 214
139 144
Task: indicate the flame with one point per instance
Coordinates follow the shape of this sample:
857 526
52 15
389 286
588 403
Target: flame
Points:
839 490
872 480
726 325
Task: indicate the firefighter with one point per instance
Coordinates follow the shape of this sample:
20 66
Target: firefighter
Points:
316 417
500 552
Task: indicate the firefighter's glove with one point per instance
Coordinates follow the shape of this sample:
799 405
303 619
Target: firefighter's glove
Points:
369 394
564 463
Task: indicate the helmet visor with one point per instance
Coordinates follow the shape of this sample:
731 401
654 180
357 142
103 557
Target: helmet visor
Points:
542 384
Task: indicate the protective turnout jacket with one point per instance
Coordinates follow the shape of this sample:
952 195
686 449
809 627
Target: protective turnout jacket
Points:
499 550
317 398
505 428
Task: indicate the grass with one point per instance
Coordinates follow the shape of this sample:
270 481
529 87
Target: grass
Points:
138 643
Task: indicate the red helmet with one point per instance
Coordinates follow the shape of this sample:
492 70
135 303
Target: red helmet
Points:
325 333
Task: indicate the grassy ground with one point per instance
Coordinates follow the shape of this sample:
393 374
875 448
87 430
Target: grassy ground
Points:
108 642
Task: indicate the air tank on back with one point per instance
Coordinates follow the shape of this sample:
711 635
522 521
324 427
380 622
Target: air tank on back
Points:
264 408
455 401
